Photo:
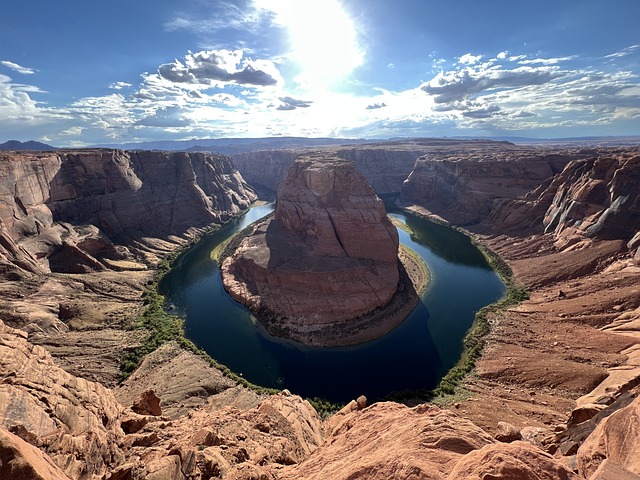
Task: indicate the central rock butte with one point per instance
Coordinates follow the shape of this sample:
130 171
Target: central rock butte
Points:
328 255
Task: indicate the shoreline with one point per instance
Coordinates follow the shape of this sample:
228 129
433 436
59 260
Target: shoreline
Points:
413 282
368 327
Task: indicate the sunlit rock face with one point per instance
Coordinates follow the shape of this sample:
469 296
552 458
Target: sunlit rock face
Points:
329 253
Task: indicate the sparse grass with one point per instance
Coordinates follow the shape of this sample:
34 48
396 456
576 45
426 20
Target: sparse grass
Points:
420 279
401 225
450 389
325 408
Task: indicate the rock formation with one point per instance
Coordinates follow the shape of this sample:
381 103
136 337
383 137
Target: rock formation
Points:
72 420
66 210
465 185
385 165
598 197
79 231
328 255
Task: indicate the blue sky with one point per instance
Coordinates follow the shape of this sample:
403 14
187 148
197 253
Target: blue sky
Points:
75 73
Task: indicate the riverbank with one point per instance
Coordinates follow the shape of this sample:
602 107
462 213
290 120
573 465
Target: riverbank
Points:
414 279
570 343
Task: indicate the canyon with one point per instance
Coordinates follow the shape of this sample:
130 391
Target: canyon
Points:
555 393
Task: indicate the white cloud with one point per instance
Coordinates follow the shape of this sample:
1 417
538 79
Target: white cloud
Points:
289 103
73 131
468 59
624 52
546 61
18 68
502 55
119 85
219 67
459 85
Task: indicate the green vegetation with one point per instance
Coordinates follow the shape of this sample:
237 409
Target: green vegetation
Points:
160 327
450 387
419 274
401 225
325 408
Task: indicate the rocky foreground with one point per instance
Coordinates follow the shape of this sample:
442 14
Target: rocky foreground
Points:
328 256
555 394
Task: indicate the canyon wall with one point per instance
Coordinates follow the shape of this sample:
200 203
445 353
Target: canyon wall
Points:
566 223
465 186
68 211
596 197
80 232
385 165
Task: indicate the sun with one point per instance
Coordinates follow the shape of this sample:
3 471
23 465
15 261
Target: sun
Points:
324 39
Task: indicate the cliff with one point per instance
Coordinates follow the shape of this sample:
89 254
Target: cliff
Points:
67 210
554 394
79 231
465 186
385 165
596 197
58 427
329 255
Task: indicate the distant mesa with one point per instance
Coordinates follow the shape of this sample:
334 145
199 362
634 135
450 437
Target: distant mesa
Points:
28 145
329 254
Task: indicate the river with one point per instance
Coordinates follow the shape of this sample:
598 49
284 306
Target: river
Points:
413 356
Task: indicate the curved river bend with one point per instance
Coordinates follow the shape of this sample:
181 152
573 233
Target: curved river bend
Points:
415 355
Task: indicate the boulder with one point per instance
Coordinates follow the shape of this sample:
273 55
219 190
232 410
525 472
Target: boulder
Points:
388 440
21 461
615 438
512 461
147 403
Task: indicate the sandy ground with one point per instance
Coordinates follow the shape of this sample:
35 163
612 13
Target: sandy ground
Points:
545 354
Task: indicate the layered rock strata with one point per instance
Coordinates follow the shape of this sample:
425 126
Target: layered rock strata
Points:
329 254
466 185
385 165
80 231
69 211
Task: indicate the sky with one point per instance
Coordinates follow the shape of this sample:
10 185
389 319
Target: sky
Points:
76 72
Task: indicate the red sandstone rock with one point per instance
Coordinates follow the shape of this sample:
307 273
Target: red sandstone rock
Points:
74 421
147 403
21 461
512 461
329 255
616 438
464 185
609 470
48 199
387 440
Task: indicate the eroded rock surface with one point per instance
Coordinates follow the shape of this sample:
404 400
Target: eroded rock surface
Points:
465 185
327 256
80 231
73 420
